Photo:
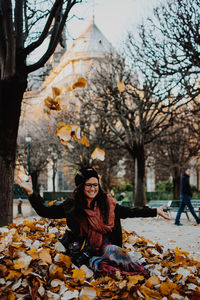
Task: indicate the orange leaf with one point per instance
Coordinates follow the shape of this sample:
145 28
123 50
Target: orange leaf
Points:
45 256
66 260
150 293
33 253
13 275
98 154
154 280
56 92
76 131
133 280
84 141
64 133
121 86
167 287
79 275
19 264
53 104
81 83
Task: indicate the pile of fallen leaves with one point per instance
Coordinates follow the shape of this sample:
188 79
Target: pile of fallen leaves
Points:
31 268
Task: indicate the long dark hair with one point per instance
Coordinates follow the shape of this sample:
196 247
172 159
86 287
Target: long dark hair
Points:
81 203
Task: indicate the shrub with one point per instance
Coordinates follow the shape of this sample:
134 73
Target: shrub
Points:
164 186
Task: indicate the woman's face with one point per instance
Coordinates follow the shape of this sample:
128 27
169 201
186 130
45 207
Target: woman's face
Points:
91 188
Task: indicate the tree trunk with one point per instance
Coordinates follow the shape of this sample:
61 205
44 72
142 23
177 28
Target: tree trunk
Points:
140 196
54 179
11 94
197 172
176 183
34 177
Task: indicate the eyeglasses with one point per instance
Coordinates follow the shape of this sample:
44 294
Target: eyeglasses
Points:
90 185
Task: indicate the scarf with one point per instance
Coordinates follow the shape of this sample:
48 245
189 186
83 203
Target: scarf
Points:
97 227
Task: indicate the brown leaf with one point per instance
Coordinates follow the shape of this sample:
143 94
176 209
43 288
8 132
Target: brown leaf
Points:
45 256
80 83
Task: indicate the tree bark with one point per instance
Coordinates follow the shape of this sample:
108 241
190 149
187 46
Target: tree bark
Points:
11 95
176 183
140 196
197 173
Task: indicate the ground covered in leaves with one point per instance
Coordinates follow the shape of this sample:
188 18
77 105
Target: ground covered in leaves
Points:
31 268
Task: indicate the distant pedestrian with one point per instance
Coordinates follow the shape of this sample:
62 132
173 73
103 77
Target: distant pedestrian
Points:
19 209
186 195
121 197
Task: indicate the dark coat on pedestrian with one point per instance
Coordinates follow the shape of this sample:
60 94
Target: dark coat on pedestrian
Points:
185 185
67 210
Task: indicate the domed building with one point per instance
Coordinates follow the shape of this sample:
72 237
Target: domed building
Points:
84 54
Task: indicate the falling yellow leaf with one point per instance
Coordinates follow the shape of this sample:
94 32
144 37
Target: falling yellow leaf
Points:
98 154
56 92
52 103
121 86
64 133
76 133
84 141
80 83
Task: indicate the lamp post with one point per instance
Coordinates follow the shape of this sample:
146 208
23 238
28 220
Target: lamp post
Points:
28 140
54 159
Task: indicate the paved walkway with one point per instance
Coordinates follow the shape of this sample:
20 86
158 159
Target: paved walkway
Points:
186 237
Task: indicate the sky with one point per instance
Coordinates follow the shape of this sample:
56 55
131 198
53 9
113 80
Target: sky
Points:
113 17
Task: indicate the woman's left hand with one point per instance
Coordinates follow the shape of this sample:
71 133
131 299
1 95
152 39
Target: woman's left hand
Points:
162 213
26 185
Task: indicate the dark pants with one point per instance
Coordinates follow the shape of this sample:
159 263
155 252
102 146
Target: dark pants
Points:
186 200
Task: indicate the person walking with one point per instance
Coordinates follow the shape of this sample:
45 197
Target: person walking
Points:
186 195
19 209
93 217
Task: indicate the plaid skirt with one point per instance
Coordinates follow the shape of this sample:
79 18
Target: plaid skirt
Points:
114 259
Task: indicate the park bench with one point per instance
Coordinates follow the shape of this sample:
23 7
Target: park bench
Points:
125 203
158 203
195 203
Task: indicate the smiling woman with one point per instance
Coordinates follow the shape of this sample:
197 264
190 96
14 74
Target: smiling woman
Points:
93 216
91 189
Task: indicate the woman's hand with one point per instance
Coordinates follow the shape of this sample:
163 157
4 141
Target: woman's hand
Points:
162 213
26 185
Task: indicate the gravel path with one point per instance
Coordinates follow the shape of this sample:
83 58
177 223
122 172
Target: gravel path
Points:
170 236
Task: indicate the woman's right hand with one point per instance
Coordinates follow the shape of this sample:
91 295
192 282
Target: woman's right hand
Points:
26 185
